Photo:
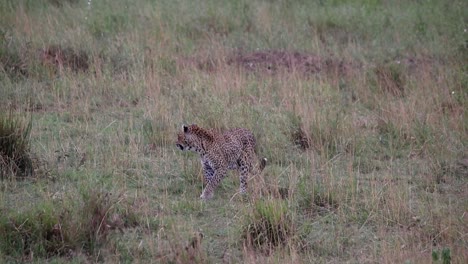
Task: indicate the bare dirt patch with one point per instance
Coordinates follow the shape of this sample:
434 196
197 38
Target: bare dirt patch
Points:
390 74
273 62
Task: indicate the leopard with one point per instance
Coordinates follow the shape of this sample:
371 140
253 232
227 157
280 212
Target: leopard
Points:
220 151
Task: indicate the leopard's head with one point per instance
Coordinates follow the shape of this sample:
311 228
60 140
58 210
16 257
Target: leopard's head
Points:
191 138
182 140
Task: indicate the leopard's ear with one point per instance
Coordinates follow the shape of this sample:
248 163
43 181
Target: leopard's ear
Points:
185 128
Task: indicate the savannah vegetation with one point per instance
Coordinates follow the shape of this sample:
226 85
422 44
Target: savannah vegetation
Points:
359 107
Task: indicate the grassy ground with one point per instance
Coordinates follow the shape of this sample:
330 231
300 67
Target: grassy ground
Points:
359 106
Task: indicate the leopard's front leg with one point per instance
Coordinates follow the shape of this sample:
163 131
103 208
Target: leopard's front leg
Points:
213 177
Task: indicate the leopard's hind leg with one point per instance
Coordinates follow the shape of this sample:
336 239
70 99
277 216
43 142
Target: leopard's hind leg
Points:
245 169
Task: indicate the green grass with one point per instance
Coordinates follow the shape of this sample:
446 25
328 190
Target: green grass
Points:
359 107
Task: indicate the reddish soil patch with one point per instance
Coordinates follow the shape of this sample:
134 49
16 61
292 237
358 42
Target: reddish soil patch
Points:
202 64
412 63
276 60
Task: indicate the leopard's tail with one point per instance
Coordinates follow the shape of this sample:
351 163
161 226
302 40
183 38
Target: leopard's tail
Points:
263 163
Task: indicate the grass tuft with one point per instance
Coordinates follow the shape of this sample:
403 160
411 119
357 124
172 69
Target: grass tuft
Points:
184 251
268 226
318 201
11 62
390 79
61 226
15 160
58 58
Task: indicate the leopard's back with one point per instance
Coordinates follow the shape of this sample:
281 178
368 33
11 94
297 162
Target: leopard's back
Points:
234 143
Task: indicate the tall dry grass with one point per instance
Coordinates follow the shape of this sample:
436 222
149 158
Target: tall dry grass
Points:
358 106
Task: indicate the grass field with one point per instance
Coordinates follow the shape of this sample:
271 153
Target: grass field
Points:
359 107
